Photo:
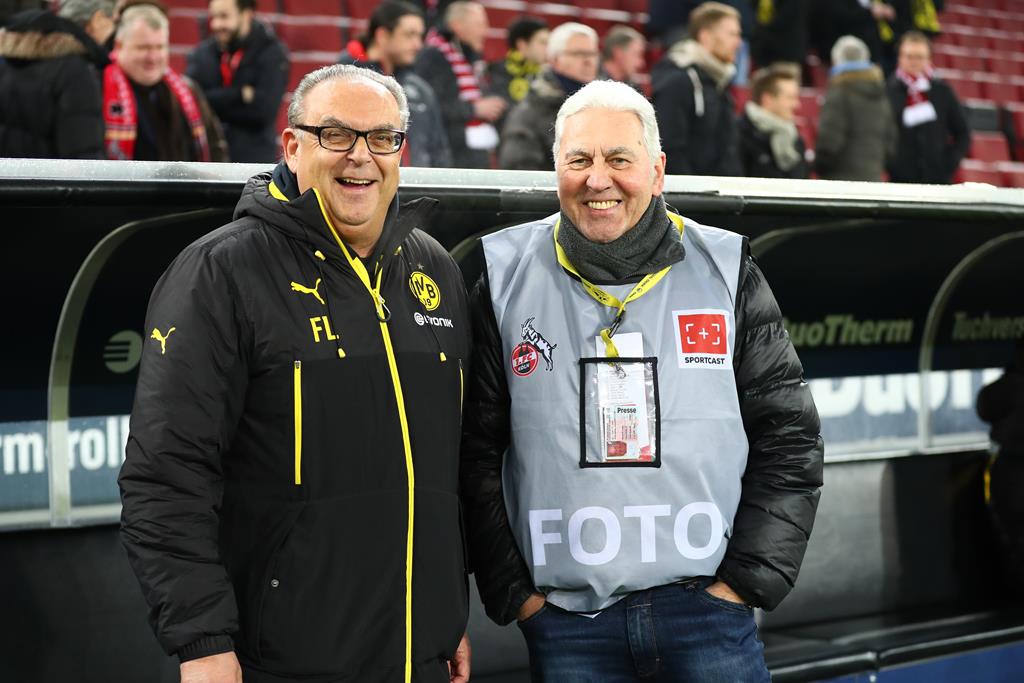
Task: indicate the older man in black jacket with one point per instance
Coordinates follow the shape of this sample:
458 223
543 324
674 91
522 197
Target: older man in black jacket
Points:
636 532
243 71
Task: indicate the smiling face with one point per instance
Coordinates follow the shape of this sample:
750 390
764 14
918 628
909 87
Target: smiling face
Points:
356 186
143 53
227 22
606 179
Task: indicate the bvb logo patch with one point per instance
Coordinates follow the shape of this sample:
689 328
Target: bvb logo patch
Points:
425 290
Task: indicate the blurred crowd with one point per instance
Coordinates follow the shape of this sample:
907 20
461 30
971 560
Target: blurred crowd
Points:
92 79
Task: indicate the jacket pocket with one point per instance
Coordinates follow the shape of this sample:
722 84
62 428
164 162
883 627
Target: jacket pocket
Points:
297 398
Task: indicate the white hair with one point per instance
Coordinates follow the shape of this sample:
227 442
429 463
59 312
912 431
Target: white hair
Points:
147 14
614 96
561 34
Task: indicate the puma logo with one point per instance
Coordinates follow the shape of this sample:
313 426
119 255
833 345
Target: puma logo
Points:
162 338
296 287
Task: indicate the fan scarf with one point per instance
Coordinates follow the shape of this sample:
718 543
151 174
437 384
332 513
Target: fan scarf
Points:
120 115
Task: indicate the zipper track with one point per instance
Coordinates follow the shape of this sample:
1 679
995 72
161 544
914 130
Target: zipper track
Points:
297 398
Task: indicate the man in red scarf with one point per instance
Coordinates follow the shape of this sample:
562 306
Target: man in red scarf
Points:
934 135
150 111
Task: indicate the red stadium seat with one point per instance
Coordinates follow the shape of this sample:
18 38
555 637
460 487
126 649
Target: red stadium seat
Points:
740 97
495 48
989 147
333 8
311 37
965 88
186 30
810 103
635 6
1013 173
808 131
1005 42
999 90
972 41
978 172
1005 66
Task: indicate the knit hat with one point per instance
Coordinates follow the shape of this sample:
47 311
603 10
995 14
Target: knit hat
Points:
850 49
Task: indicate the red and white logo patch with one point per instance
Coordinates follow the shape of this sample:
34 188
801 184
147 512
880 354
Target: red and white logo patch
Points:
702 338
524 359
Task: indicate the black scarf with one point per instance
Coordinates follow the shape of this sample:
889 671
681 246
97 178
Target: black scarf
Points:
652 244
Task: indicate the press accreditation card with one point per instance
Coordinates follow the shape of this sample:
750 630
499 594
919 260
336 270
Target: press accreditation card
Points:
622 396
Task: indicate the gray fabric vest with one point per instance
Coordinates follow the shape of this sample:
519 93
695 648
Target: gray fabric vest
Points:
591 535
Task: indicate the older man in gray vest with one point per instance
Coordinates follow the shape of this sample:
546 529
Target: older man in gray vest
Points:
641 456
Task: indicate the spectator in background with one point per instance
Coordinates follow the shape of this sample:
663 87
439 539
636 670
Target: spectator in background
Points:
622 56
780 32
243 71
95 16
770 145
529 131
451 64
527 53
152 112
1001 404
52 103
933 132
691 95
856 131
390 46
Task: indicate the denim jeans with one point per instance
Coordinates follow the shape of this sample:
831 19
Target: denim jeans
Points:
676 633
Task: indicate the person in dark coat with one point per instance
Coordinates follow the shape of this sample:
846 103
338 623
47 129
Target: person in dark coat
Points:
770 145
690 91
856 131
1001 404
622 56
243 71
529 130
780 32
52 103
451 63
934 134
510 76
390 46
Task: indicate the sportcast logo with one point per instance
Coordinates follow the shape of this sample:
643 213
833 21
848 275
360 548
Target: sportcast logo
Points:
702 339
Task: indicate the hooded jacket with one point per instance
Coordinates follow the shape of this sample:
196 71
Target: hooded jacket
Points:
529 130
250 127
290 487
52 103
856 131
690 93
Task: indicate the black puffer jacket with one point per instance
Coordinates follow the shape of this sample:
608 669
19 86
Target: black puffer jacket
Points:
51 103
780 486
250 127
266 491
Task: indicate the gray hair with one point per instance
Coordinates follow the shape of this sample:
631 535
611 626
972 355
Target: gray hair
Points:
620 35
459 9
150 15
561 34
81 11
344 73
850 49
614 96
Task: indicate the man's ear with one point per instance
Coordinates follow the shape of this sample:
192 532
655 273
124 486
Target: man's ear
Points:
290 146
659 175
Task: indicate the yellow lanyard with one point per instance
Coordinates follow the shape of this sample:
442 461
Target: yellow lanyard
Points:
645 285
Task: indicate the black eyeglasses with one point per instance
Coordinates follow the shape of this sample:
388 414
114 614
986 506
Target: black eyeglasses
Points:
341 139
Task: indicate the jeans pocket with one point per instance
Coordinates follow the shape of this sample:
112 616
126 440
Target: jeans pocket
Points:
533 617
721 603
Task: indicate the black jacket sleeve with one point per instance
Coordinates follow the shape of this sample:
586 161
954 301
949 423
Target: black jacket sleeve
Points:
672 96
959 132
785 460
501 573
188 399
79 112
432 67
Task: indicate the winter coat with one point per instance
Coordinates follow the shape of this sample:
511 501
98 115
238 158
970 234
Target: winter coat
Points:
290 489
756 154
929 152
529 130
52 103
856 130
695 117
780 486
250 127
427 141
432 66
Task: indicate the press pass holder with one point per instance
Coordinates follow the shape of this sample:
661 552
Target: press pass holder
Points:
620 423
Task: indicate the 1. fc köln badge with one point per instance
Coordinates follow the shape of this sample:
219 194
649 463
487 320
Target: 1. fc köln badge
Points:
702 338
534 348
